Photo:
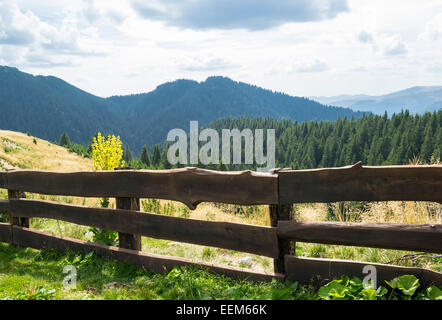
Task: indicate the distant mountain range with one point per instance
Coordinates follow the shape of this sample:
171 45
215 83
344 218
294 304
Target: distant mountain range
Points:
415 99
47 106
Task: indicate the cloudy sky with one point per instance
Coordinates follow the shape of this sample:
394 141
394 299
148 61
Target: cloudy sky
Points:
301 47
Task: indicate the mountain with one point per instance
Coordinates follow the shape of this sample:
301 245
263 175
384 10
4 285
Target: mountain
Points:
47 106
174 104
416 100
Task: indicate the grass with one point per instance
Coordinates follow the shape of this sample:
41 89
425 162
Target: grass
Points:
23 270
18 150
27 274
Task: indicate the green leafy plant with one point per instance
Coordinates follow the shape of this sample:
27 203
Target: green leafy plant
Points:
401 288
106 237
433 293
33 292
406 285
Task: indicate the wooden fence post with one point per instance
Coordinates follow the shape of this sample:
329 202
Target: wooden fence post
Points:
282 212
18 221
127 240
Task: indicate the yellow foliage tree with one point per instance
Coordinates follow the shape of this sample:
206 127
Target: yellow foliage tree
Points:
107 152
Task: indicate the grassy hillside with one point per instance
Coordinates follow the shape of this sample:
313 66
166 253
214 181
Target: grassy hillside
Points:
22 151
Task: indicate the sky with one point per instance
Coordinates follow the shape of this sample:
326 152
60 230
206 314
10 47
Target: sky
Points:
300 47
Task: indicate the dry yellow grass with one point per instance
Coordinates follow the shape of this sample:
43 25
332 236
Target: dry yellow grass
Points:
312 212
19 150
409 212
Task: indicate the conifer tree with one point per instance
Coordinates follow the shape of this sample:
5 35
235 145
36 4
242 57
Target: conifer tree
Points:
164 162
144 158
156 157
127 154
64 140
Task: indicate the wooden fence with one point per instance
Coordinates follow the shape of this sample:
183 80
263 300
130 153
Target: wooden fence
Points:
279 189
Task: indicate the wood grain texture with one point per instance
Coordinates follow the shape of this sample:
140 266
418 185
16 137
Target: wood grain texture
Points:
189 185
361 183
3 180
241 237
5 232
4 205
426 237
157 263
127 240
18 220
286 246
320 271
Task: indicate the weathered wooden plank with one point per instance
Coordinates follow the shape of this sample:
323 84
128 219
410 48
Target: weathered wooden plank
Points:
127 240
157 263
319 271
3 180
286 246
5 232
189 185
424 237
361 183
18 220
259 240
4 205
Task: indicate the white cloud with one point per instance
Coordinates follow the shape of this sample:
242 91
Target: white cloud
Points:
22 28
16 27
204 63
234 14
393 45
315 65
433 29
365 37
329 47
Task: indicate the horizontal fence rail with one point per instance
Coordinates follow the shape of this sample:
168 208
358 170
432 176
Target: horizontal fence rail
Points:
320 271
361 183
4 205
189 185
240 237
158 263
279 188
193 185
5 232
426 237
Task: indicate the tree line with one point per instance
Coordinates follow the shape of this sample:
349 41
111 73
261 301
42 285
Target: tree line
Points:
372 139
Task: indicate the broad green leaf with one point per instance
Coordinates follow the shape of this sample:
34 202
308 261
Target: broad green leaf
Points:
355 281
324 292
294 286
434 293
408 284
282 294
368 294
381 291
356 285
392 283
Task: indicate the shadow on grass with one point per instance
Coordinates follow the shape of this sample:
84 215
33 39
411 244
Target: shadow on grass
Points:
100 278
